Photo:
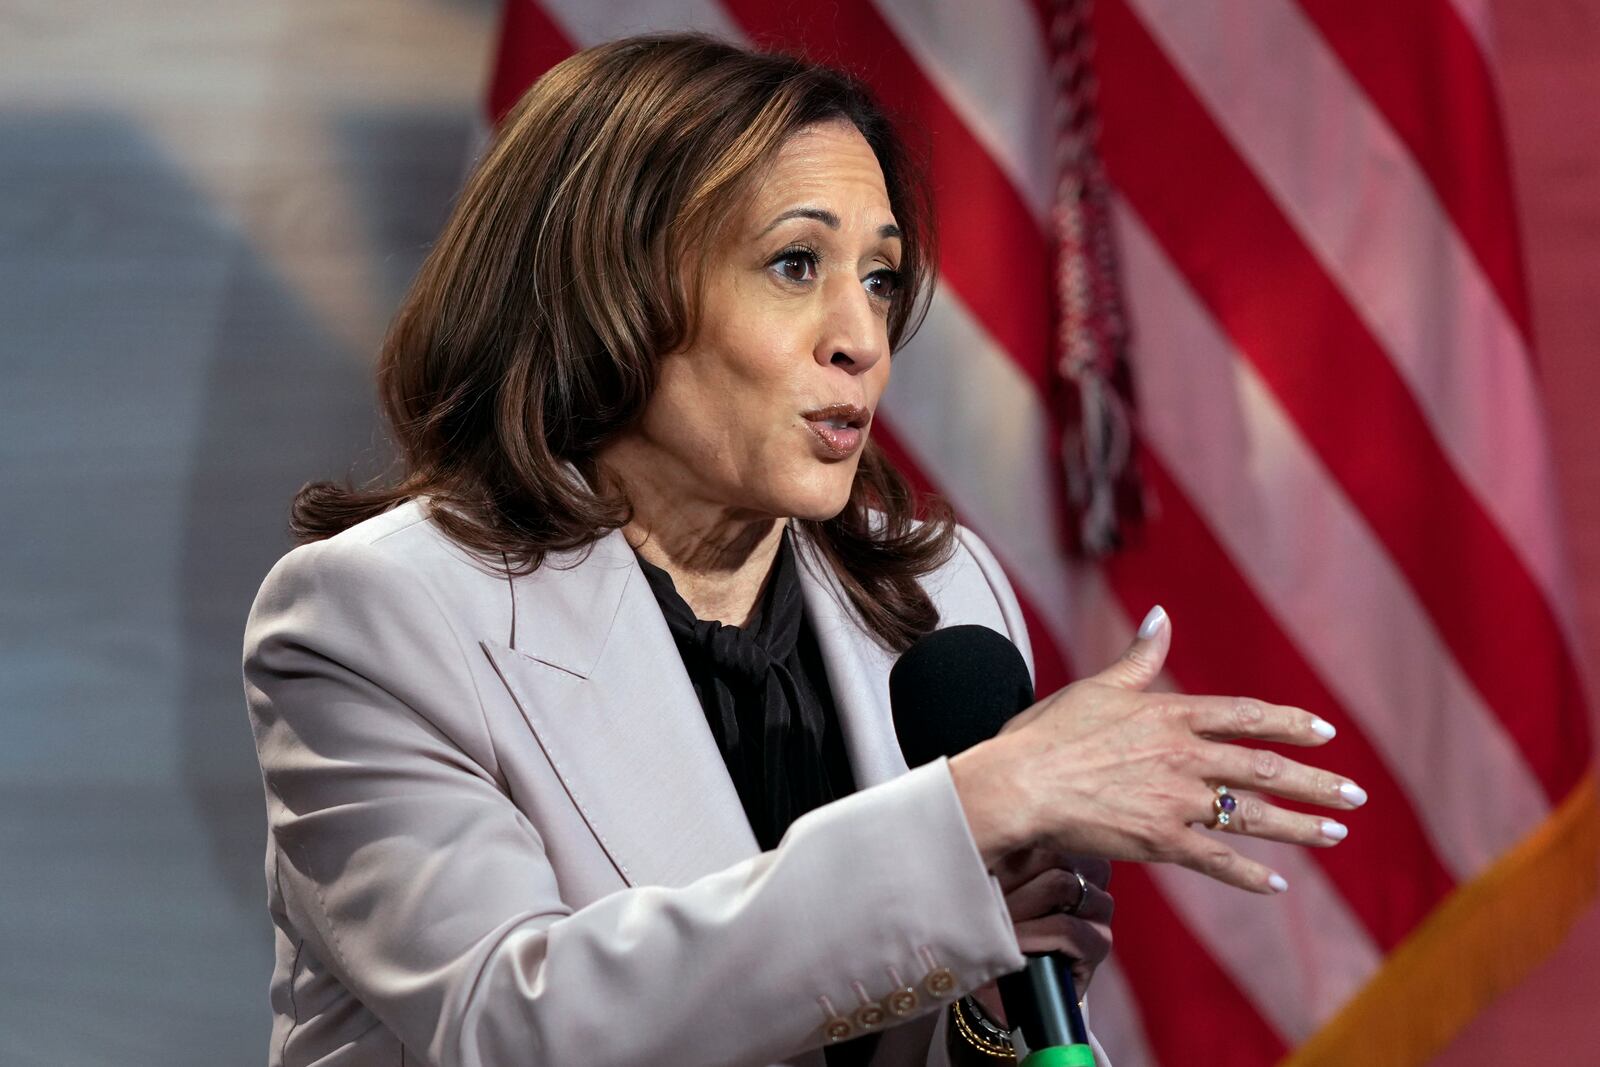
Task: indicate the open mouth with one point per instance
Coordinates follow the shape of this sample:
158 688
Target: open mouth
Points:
838 429
840 416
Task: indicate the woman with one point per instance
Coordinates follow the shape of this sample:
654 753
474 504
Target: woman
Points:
576 740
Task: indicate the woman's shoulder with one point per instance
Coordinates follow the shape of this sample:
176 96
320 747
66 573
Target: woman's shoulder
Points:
971 587
402 539
392 561
384 615
969 575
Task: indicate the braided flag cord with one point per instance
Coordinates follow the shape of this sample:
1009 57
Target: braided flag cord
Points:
1291 222
1095 386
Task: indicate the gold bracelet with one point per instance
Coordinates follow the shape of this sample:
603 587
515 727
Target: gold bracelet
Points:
1000 1048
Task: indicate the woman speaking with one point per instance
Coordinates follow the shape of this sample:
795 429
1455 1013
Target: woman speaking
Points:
576 738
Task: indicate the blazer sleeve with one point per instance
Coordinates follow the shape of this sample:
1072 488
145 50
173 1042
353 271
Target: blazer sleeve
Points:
420 885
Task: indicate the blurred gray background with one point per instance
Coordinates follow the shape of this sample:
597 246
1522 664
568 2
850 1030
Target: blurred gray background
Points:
208 212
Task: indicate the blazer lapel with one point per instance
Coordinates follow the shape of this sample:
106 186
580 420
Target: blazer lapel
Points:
593 668
599 679
858 671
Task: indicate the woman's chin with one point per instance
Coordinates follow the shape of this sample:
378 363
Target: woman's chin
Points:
822 498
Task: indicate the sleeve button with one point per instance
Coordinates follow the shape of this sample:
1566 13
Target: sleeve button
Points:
940 983
837 1028
870 1017
901 1002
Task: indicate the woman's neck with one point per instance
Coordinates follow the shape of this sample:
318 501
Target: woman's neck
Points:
719 557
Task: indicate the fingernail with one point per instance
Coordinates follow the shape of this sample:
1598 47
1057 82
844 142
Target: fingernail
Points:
1334 831
1353 793
1322 728
1153 623
1277 883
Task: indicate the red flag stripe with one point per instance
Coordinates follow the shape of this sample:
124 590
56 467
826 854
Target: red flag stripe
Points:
1421 67
1194 1012
530 44
995 258
1310 348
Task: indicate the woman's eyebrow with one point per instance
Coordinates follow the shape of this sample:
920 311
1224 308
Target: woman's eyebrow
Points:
827 218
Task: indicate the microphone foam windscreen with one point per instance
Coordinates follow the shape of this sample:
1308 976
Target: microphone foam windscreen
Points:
954 688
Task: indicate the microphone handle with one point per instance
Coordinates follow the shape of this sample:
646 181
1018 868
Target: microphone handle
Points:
1042 1002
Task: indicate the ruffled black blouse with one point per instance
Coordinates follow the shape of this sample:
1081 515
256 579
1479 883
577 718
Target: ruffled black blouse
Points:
765 693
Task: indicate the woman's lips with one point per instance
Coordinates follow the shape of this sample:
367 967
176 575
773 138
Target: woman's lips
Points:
838 429
834 441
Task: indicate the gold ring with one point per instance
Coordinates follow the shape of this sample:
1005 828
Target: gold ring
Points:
1223 805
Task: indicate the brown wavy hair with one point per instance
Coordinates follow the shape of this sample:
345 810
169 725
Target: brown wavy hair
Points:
531 334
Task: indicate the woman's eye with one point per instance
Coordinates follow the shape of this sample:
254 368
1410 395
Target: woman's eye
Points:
883 283
796 266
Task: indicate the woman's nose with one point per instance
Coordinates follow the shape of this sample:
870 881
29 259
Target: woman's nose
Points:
854 335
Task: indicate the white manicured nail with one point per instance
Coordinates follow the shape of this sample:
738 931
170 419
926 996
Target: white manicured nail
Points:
1153 623
1334 831
1322 728
1277 883
1353 793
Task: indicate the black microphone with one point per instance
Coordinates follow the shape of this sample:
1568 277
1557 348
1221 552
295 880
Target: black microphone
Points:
949 691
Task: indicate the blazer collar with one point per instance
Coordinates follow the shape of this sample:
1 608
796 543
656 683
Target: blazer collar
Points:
858 670
592 666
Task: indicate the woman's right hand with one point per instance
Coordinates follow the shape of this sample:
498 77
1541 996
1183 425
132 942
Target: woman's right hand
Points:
1104 768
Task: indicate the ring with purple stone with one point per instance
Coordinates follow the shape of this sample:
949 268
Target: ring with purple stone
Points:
1223 805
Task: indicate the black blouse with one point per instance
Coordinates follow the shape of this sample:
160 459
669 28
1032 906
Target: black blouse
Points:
764 690
765 694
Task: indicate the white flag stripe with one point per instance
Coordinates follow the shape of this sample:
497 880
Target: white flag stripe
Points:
1306 955
1479 17
975 423
1367 212
1304 549
990 65
1113 1014
590 22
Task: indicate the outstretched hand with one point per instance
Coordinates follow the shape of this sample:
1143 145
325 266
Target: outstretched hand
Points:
1105 768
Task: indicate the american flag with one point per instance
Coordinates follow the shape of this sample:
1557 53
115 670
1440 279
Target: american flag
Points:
1350 500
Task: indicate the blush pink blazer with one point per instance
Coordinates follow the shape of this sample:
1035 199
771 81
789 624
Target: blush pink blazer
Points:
501 834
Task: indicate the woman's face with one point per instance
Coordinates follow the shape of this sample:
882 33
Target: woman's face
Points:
768 409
